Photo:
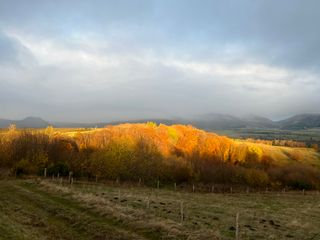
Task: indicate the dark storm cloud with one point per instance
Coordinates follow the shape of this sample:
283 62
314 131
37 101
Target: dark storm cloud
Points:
132 59
282 31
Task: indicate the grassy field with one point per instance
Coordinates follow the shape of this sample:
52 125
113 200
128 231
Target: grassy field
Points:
287 155
304 135
37 209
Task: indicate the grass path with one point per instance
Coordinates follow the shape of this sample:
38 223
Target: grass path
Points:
29 213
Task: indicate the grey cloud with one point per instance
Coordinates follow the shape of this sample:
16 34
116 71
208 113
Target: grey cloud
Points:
144 36
9 50
13 52
280 32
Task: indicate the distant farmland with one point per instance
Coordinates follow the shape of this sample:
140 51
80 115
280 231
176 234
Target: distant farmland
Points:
308 136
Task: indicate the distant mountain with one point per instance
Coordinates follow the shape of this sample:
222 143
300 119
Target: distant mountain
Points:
215 121
209 122
103 124
29 122
254 121
300 121
5 123
35 122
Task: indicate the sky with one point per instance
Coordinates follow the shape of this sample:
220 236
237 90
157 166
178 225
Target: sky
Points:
102 60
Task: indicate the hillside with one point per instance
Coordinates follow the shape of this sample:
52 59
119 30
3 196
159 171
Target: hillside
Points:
187 139
254 121
29 122
179 153
302 121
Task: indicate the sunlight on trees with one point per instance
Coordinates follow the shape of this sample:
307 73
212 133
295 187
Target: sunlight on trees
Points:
149 152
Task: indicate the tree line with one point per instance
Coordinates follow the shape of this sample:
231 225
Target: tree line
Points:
149 152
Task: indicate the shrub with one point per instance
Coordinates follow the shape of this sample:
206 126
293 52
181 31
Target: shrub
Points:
297 176
61 168
24 167
256 178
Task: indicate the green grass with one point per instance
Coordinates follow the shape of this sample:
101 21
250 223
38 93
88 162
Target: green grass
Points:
303 135
31 209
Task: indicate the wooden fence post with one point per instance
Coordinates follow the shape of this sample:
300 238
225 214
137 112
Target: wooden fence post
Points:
237 227
70 176
181 212
148 202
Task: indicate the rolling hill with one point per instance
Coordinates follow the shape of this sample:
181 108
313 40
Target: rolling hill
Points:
29 122
302 121
208 122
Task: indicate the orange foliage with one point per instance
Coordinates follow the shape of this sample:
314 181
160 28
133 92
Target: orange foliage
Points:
143 151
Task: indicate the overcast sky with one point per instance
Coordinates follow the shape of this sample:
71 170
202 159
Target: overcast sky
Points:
101 60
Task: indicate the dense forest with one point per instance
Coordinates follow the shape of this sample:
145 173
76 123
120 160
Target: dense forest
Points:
150 152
